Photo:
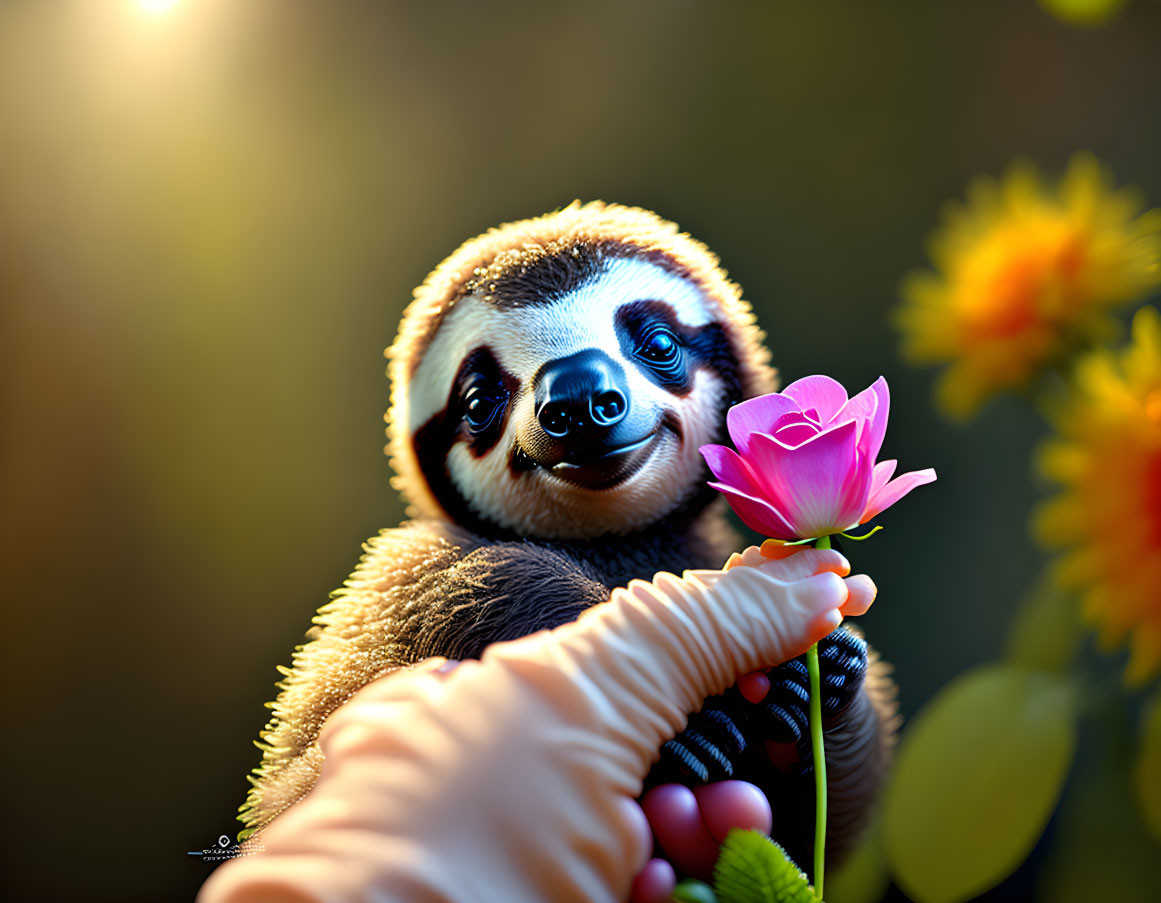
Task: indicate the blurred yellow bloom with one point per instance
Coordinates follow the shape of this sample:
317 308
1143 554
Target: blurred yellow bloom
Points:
1084 13
1024 272
1107 455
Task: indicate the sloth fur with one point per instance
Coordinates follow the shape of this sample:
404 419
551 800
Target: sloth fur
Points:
515 527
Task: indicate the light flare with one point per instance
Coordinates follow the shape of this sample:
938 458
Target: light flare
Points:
157 7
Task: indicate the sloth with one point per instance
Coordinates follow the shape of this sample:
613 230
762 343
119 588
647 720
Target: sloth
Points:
552 381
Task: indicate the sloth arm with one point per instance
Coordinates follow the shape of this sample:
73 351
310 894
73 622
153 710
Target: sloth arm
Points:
420 590
426 589
513 589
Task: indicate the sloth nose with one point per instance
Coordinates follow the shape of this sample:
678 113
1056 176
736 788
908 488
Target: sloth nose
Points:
580 395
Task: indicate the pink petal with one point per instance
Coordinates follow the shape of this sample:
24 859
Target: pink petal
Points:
789 418
870 407
856 489
860 408
794 434
745 493
809 483
825 395
890 493
757 415
884 470
879 421
729 468
757 514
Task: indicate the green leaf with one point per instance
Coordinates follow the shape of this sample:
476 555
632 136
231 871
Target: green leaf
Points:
751 868
863 877
1147 769
1047 631
1100 849
976 778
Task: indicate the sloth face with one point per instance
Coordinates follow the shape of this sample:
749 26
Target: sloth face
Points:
576 413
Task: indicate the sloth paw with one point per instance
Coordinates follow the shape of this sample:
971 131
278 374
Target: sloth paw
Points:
709 748
785 712
712 746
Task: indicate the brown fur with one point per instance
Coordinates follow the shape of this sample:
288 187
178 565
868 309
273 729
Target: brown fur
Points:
432 587
427 588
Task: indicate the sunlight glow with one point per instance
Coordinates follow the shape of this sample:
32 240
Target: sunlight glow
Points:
157 6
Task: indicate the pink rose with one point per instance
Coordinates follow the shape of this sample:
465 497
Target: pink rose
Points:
805 465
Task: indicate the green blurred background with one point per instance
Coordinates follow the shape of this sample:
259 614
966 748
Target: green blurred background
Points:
211 218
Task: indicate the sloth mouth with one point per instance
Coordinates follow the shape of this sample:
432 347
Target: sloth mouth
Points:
597 468
608 468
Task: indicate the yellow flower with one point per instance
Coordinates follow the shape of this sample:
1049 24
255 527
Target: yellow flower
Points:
1024 273
1084 13
1107 455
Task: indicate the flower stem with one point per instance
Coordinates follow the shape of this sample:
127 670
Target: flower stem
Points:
818 755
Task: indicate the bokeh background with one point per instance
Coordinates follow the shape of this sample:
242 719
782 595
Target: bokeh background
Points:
212 213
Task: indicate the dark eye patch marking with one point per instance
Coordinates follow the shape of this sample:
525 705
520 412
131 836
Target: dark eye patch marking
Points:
481 377
640 325
479 395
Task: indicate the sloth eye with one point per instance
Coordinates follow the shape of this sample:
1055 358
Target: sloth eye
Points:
660 345
660 349
480 408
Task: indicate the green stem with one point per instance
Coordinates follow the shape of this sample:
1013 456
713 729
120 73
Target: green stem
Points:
818 755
